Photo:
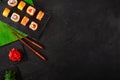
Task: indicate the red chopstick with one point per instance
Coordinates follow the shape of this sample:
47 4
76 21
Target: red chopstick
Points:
33 50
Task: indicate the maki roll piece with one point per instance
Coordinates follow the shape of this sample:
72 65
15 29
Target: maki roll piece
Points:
15 17
40 15
6 12
31 10
24 21
21 5
12 3
33 26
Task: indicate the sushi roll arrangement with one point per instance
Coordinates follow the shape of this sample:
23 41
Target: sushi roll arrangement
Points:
15 17
33 26
12 3
25 19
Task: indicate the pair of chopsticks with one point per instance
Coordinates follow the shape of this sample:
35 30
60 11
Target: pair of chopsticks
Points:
18 35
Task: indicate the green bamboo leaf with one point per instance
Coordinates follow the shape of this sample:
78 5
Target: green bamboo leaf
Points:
29 2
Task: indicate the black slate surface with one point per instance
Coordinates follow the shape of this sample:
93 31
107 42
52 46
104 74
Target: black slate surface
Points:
81 40
41 24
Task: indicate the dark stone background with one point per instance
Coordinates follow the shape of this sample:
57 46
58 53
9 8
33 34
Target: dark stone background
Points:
81 40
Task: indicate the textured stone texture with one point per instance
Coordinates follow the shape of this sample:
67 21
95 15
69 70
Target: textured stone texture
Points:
81 41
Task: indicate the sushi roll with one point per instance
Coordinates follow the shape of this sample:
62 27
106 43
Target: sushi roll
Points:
40 15
21 5
31 10
6 12
15 17
24 21
33 26
12 3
